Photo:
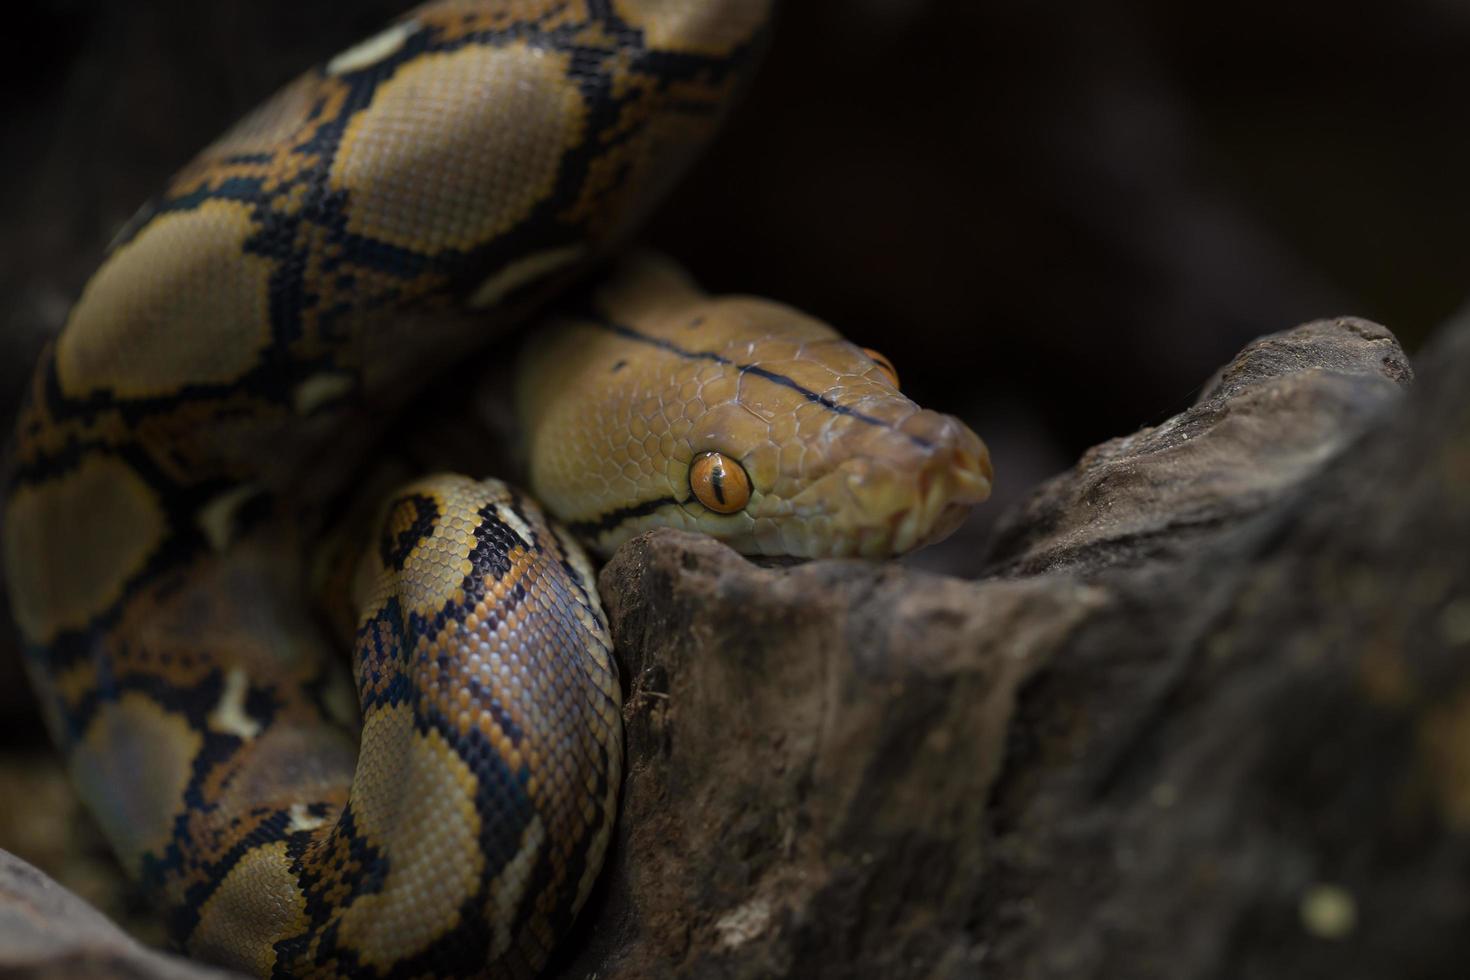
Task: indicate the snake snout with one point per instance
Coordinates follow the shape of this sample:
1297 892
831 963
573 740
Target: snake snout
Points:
953 474
909 486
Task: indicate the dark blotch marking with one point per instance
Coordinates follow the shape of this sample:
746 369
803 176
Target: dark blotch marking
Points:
494 541
486 698
394 551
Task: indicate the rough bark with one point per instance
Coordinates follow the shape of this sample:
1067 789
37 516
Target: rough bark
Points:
1209 718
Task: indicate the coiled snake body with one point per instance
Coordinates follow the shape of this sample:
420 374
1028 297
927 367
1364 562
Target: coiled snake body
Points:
189 433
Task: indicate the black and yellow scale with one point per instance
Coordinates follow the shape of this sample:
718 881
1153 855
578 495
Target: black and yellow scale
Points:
444 811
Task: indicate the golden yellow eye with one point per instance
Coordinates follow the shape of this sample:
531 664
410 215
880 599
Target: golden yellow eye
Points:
885 364
719 483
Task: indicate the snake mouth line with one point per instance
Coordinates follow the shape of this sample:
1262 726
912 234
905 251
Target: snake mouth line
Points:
596 527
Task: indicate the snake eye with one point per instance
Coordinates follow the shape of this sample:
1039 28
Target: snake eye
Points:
884 364
719 483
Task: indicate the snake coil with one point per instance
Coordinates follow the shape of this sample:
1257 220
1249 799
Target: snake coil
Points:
444 810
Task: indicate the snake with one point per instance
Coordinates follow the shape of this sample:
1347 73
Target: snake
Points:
427 786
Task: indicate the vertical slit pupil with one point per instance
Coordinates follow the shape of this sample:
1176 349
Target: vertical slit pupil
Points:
717 479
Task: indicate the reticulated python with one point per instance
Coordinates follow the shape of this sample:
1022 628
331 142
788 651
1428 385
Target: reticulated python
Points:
190 432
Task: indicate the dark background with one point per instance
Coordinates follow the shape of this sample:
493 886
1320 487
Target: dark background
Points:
1056 218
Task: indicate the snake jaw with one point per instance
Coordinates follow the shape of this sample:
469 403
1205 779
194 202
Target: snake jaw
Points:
945 498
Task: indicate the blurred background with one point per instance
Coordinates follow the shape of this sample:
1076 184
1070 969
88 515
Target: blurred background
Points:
1058 219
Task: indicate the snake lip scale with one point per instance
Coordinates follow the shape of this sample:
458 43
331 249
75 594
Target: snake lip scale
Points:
438 801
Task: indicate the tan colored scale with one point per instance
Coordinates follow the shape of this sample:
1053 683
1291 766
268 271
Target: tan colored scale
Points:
216 311
512 109
133 766
97 524
261 884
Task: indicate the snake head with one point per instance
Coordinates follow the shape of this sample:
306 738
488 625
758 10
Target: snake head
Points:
737 417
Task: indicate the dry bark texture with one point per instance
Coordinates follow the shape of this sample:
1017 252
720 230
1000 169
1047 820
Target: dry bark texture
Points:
1208 716
47 932
810 755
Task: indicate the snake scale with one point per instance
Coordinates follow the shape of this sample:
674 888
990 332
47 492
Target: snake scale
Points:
188 440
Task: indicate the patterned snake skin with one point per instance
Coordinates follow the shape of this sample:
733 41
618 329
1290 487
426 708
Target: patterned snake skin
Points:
191 434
